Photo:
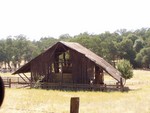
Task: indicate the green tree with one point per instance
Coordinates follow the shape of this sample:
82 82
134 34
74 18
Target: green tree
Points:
45 42
20 46
132 37
8 51
143 57
125 68
30 52
2 52
64 37
125 50
138 45
138 60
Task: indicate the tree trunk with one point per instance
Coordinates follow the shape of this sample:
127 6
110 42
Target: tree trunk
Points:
8 63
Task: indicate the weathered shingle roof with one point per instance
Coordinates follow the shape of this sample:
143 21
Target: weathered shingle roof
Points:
89 54
95 58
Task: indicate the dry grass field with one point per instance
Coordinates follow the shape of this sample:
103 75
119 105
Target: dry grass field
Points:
136 100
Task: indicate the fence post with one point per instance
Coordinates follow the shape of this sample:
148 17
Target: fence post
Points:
10 83
74 105
30 84
18 80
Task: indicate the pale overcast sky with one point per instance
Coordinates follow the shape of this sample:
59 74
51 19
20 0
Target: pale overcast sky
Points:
39 18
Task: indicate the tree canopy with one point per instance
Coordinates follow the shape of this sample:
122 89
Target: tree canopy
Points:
125 68
133 46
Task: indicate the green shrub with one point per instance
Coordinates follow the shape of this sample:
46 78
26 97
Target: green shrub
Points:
125 68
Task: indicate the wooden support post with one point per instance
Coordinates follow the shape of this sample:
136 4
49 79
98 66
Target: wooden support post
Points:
74 105
117 85
121 84
10 83
105 87
30 84
23 78
18 80
7 79
61 73
26 77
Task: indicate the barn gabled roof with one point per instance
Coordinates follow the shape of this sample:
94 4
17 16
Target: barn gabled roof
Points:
89 54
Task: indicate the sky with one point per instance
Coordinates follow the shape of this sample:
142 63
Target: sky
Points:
43 18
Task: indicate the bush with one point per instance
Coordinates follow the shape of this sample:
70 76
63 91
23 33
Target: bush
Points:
125 68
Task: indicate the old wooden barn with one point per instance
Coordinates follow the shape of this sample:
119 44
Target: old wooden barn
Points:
69 65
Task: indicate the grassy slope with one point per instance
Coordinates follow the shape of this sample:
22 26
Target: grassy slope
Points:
46 101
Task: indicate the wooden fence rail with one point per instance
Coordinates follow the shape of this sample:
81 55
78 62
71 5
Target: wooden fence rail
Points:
11 81
16 80
7 82
67 86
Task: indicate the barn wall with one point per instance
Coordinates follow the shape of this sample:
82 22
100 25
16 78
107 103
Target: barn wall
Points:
75 66
85 78
90 70
83 69
41 66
